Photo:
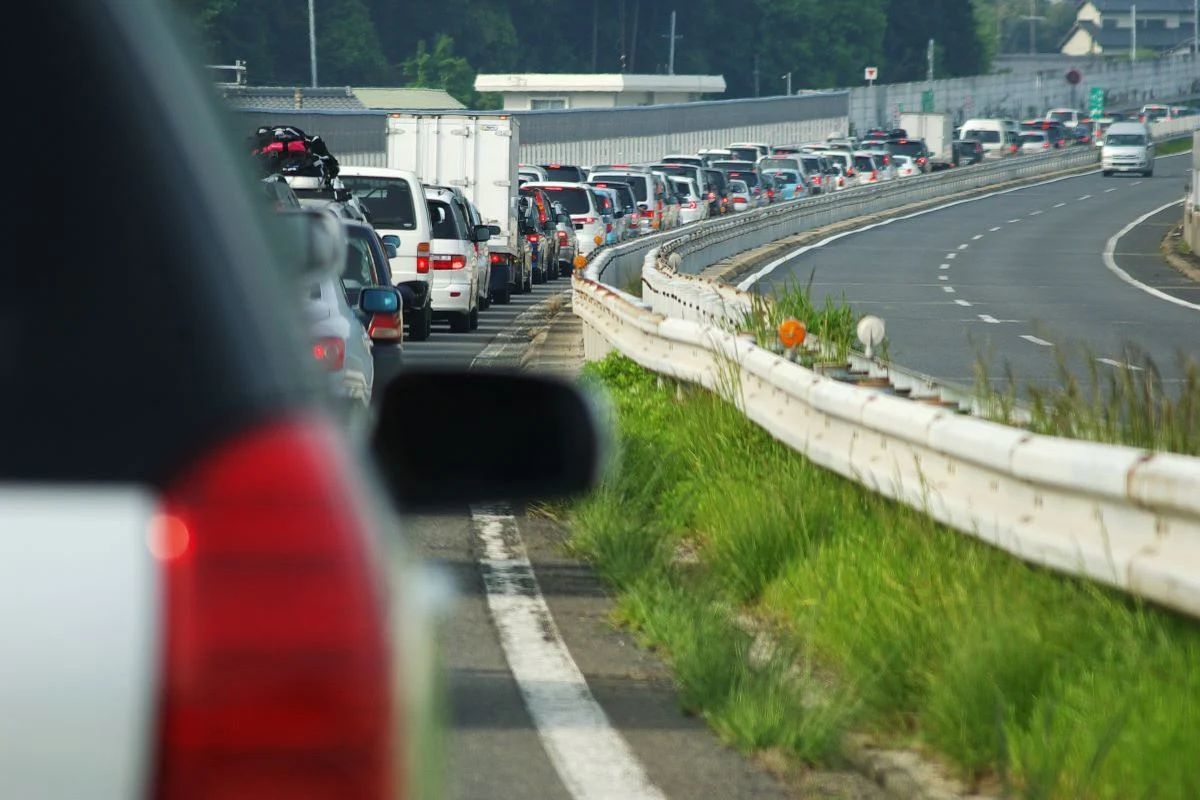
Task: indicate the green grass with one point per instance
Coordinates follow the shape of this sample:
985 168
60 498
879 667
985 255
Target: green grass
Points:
1175 146
886 622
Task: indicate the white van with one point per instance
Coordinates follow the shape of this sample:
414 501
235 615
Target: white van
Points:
1127 148
1069 117
991 133
395 200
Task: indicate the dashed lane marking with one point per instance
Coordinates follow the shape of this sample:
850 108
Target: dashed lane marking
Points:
951 255
1013 221
1036 340
1086 197
943 277
977 237
948 289
591 758
1034 213
963 246
963 303
989 319
993 230
1119 364
1059 205
944 266
1113 189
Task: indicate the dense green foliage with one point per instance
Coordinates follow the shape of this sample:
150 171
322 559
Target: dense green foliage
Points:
379 42
883 620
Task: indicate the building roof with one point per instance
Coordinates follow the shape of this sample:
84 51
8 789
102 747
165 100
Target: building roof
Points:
613 82
406 98
1144 6
1120 39
292 98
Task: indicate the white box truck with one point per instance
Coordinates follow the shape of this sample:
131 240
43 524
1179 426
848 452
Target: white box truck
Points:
938 132
477 154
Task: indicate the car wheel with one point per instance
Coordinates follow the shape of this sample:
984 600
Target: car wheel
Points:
460 323
538 277
473 318
419 329
502 297
1149 173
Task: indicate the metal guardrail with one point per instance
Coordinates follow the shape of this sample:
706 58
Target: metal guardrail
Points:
1121 516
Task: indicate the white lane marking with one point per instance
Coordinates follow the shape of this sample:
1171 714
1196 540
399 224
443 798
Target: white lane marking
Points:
591 758
977 237
1110 260
1013 221
1059 205
1086 197
963 246
1036 340
989 318
1136 183
1119 364
1034 213
944 266
993 230
963 303
948 289
774 265
943 277
1113 189
951 256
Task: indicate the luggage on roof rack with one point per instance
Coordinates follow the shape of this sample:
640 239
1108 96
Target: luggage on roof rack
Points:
287 150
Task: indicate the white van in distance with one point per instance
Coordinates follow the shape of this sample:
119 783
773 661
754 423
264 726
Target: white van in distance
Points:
1127 148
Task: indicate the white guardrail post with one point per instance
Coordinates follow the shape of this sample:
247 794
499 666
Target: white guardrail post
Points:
1118 515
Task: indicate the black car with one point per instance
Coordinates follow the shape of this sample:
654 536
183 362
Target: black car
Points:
914 148
967 152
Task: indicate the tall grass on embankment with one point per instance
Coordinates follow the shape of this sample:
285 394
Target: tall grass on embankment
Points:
883 621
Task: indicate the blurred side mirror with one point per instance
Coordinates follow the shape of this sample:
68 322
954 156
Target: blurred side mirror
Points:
482 233
379 300
314 241
390 249
494 230
438 465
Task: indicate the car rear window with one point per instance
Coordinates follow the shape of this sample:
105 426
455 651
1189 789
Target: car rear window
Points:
638 184
745 153
1032 137
864 163
388 200
987 137
560 172
748 178
445 221
573 200
911 147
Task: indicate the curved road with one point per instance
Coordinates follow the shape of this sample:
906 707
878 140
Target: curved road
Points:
1012 274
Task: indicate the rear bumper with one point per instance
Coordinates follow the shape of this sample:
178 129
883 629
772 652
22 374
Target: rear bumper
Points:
444 299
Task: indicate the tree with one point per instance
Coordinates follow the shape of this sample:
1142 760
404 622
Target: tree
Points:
441 69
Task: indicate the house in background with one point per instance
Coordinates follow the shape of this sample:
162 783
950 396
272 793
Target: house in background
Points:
1105 27
537 92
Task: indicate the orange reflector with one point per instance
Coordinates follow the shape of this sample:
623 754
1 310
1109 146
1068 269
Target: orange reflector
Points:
792 333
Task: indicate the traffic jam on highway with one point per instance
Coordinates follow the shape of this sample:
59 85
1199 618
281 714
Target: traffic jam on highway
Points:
420 250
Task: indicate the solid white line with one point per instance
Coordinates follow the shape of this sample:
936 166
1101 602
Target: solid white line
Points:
591 758
1110 260
977 237
772 266
1036 340
963 303
989 318
993 230
1119 364
948 289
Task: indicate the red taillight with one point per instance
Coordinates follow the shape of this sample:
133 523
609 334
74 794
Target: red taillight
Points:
275 681
562 238
712 195
531 237
634 216
330 352
921 161
423 257
850 173
691 204
607 228
441 262
496 258
816 179
771 194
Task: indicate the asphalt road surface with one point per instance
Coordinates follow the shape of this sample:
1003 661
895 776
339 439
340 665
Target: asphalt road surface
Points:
1010 276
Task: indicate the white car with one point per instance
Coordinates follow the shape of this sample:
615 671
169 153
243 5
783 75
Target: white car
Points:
866 168
739 195
341 348
394 198
1033 142
452 260
641 184
906 167
578 200
694 208
883 158
1127 148
1069 117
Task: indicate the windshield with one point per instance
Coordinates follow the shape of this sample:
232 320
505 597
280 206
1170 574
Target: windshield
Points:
558 172
388 200
574 201
1125 140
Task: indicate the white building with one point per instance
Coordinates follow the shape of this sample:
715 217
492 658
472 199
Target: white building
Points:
533 92
1105 27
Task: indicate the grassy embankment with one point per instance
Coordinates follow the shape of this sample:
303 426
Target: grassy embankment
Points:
885 622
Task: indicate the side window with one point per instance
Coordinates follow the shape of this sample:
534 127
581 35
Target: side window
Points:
357 272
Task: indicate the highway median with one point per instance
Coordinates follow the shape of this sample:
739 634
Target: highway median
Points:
716 538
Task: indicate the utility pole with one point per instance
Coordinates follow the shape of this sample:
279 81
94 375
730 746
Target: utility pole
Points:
595 31
1133 33
1032 27
788 77
929 62
637 10
756 93
671 48
1195 28
312 42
